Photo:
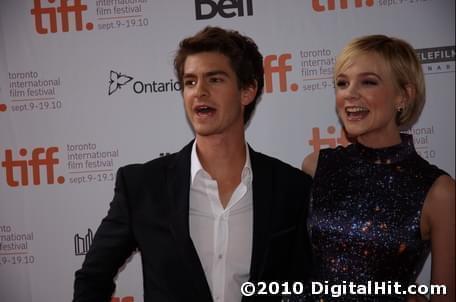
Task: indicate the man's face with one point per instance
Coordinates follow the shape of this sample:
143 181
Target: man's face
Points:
213 101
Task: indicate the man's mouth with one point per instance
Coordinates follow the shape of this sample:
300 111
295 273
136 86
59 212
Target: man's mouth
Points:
356 113
204 110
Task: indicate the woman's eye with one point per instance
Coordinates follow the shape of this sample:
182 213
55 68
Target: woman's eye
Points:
341 83
369 82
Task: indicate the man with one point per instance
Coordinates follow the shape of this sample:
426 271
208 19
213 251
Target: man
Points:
215 214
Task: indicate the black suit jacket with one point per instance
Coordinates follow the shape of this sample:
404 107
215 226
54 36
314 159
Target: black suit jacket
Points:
149 212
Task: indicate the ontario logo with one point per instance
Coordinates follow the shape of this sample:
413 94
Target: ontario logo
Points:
52 10
117 80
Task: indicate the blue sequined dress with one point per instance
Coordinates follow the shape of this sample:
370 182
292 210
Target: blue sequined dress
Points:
365 213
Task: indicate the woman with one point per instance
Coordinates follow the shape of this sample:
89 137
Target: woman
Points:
378 208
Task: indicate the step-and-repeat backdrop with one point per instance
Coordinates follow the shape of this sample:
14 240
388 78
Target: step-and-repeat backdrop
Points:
87 86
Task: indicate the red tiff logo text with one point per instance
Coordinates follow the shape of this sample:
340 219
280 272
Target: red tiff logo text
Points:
343 4
274 64
63 10
124 299
332 141
41 157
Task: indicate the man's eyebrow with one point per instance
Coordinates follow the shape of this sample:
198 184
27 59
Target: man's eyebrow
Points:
207 74
216 72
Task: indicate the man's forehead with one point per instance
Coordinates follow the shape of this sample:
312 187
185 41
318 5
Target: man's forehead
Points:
207 63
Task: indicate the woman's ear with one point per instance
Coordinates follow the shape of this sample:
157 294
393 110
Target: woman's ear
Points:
409 94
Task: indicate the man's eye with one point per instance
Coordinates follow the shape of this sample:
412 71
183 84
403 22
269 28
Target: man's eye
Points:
216 80
189 82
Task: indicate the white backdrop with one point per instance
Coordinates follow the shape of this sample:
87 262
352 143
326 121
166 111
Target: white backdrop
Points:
87 86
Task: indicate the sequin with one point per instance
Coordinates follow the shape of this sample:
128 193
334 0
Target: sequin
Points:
365 215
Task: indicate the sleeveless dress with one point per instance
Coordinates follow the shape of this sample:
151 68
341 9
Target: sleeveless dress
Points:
365 214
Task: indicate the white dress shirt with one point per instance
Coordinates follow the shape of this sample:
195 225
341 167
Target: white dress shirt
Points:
222 236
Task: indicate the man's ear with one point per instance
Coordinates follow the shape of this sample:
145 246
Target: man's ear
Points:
248 93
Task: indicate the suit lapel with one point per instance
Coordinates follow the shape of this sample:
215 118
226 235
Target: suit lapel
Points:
262 187
178 179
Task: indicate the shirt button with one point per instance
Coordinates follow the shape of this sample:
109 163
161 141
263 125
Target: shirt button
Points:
220 256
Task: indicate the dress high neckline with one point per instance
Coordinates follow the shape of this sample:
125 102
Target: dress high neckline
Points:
387 155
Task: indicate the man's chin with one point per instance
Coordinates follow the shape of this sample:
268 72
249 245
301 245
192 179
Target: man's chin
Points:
203 131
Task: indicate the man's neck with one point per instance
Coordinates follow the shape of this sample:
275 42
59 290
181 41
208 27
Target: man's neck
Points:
221 157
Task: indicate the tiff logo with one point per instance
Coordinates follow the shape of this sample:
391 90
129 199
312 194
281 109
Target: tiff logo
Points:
82 244
282 68
225 8
124 299
64 10
343 4
21 166
317 142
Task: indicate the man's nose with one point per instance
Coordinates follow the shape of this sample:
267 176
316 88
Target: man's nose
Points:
201 89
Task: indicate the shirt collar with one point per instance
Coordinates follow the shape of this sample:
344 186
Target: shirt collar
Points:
197 168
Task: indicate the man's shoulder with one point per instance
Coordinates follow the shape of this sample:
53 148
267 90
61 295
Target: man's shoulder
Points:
280 167
151 165
280 177
158 165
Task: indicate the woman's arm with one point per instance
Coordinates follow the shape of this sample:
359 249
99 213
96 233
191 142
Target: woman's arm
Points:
439 226
309 164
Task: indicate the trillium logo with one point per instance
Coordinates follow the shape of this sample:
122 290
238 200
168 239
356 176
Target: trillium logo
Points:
117 80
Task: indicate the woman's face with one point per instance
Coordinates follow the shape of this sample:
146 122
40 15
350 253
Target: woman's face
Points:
367 100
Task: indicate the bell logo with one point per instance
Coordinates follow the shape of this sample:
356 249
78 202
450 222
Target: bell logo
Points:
282 68
317 142
225 8
64 10
343 4
22 166
123 299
